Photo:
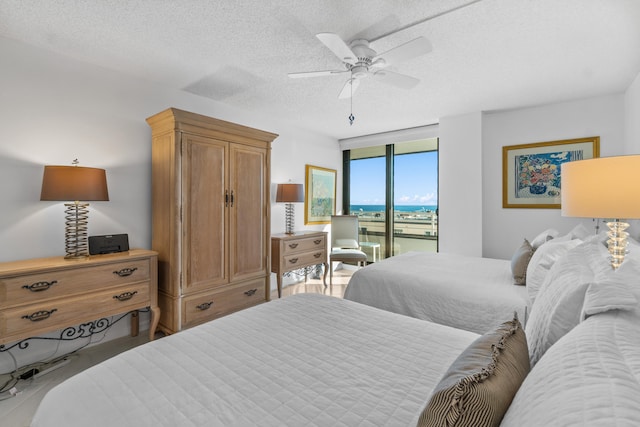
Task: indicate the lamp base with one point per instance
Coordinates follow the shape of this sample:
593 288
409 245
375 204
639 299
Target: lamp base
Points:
76 242
289 218
617 242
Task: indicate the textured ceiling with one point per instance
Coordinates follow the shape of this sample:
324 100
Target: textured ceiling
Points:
492 54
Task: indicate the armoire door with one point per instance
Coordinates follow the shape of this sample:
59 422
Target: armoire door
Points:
204 224
248 212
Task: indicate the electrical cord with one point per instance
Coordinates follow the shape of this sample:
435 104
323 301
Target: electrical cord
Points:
28 372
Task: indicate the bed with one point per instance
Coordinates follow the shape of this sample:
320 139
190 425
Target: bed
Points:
306 359
465 292
319 361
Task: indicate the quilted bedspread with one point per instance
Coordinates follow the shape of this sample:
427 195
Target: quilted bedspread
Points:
465 292
304 360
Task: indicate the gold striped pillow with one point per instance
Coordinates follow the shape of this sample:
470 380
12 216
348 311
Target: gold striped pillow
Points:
479 386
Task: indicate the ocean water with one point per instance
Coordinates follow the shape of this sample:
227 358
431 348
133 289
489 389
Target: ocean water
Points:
398 208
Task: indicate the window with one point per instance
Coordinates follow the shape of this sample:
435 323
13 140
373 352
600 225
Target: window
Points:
394 188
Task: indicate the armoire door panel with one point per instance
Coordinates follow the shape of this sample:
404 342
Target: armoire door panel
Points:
203 215
247 216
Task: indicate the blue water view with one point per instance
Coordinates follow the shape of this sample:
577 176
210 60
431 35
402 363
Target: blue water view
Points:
354 209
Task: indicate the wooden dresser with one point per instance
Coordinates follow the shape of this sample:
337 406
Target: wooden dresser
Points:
299 250
46 294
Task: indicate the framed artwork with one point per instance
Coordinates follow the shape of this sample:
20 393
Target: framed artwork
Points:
531 172
319 195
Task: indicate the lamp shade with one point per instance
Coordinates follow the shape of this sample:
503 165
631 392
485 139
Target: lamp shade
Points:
606 187
290 193
74 183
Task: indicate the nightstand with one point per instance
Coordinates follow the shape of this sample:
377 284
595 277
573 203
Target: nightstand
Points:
299 250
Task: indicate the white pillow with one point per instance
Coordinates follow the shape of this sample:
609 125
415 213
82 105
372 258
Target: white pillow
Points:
580 232
543 237
608 295
558 306
542 261
615 289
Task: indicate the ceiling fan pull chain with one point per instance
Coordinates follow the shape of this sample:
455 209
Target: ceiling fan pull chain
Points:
351 116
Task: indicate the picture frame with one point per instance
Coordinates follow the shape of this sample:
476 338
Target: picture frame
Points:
319 195
531 173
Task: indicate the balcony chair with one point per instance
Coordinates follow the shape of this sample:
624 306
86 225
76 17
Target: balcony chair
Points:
345 245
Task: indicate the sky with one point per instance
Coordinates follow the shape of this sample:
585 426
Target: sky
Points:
416 180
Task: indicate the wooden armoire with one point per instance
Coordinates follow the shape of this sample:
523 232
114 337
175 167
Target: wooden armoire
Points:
210 216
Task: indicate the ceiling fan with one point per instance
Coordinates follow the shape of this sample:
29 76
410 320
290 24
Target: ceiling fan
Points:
361 61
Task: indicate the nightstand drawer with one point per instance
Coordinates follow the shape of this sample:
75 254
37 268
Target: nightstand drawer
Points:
57 313
35 287
303 245
201 308
291 262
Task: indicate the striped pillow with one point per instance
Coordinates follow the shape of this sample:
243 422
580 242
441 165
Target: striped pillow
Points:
478 387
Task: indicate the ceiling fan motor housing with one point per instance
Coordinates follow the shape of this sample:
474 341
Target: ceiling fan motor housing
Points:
364 54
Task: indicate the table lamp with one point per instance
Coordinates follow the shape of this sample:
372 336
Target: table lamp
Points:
75 185
606 187
289 194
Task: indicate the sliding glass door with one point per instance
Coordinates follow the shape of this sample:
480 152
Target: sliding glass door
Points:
367 184
394 191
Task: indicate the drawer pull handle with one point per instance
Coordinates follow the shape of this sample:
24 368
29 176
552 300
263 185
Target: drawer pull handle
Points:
125 272
293 245
293 260
317 242
125 296
40 315
250 292
318 255
40 286
204 305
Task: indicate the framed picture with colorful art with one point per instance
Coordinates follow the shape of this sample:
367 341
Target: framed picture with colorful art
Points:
319 195
531 173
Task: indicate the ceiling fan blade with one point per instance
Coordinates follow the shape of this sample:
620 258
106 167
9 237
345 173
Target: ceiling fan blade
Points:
315 73
395 79
408 50
349 88
338 47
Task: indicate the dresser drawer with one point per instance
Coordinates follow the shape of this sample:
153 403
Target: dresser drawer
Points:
35 287
291 262
203 307
303 245
56 313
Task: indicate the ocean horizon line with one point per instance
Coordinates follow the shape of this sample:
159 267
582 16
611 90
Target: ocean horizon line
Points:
400 208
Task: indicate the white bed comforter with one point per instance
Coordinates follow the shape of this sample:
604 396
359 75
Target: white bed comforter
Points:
305 360
471 293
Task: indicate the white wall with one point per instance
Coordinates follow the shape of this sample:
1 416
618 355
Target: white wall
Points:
632 117
55 109
504 229
294 151
460 198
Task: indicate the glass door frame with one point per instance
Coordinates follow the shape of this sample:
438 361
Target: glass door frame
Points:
389 234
